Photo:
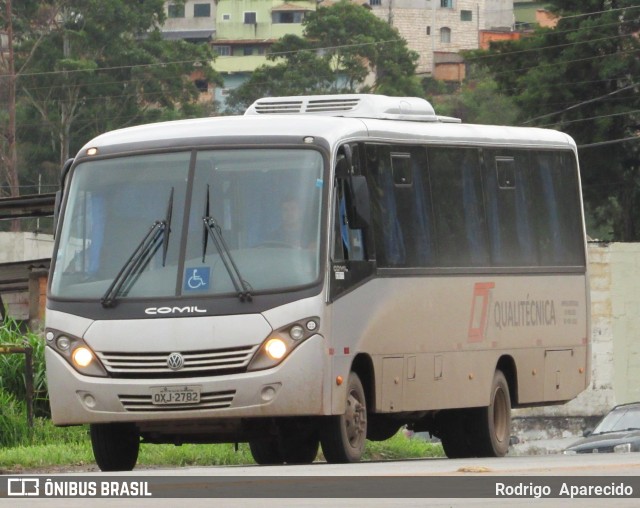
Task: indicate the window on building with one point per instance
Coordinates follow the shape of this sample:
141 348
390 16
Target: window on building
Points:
247 50
226 17
175 11
222 50
466 15
445 35
428 30
446 4
375 2
202 10
287 17
250 18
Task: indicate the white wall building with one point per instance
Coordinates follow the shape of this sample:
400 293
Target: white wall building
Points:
443 26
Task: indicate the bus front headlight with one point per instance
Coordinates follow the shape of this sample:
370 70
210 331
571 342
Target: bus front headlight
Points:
276 348
82 357
279 344
76 352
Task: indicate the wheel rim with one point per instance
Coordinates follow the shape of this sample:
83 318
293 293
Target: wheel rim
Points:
500 416
355 419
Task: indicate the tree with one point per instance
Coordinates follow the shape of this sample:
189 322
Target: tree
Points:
477 101
102 65
582 78
13 18
344 49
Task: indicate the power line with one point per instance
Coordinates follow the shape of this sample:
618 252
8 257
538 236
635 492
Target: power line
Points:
574 106
577 120
610 142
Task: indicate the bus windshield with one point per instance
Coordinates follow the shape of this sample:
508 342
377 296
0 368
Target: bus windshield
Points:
212 222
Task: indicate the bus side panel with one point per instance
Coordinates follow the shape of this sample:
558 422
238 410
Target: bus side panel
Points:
435 342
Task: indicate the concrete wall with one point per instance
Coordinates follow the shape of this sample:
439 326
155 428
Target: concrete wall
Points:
17 247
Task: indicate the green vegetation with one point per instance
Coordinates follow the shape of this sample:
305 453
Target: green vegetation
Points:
82 67
12 366
51 448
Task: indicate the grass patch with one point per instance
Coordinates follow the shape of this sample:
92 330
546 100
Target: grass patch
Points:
52 448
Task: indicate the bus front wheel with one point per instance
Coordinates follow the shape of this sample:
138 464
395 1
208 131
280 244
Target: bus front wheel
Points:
115 445
344 437
285 449
266 451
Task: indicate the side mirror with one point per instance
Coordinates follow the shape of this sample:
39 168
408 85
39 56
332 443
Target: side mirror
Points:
587 432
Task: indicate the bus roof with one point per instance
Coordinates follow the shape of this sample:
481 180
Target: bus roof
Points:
249 129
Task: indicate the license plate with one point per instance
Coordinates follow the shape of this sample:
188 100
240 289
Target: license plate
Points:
171 395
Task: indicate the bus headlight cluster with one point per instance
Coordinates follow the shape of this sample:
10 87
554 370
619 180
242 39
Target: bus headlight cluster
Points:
282 341
76 352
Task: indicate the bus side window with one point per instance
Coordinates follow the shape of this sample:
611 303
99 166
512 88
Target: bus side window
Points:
456 188
510 207
558 222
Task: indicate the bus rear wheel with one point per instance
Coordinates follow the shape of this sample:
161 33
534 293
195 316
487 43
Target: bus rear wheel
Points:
115 445
456 436
344 437
494 424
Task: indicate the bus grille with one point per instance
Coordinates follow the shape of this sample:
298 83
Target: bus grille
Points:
333 105
196 363
211 400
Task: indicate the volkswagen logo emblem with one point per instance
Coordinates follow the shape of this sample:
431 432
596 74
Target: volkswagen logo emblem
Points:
175 361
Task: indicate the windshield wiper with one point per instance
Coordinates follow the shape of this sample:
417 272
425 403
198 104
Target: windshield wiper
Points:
212 229
142 254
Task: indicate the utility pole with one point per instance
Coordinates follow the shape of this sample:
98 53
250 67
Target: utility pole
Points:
11 159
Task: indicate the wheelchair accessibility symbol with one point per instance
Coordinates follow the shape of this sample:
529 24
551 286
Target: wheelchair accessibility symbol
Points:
197 279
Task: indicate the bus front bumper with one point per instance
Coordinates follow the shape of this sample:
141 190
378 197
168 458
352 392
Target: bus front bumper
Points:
292 388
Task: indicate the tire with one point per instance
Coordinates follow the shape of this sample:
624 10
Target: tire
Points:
494 423
115 445
455 436
344 437
266 452
300 451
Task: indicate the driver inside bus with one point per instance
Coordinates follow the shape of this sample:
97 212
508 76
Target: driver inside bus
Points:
291 231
